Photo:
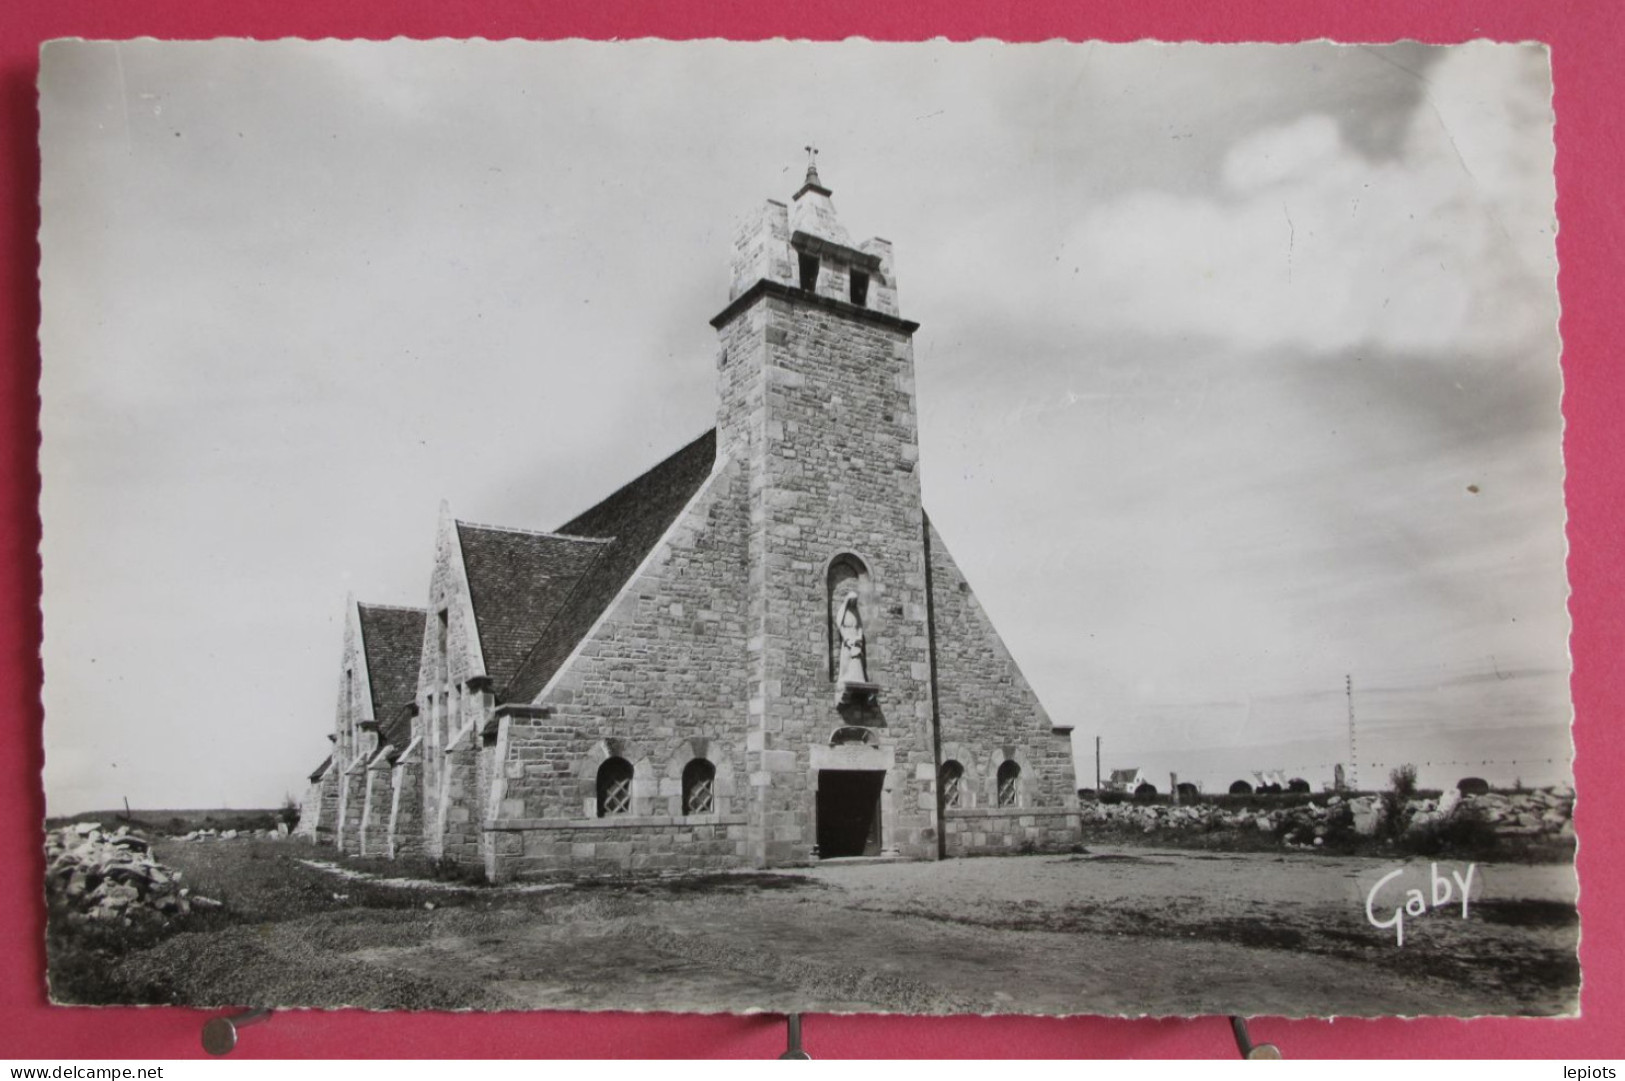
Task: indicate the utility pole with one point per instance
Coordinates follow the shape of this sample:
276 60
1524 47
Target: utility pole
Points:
1354 763
1097 763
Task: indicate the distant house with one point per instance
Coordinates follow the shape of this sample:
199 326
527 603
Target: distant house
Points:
1270 777
1124 780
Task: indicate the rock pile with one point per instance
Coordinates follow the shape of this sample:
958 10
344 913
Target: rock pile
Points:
1542 811
1310 819
278 834
111 876
1548 811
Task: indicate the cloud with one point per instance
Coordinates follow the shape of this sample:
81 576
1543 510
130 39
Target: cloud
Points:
1306 242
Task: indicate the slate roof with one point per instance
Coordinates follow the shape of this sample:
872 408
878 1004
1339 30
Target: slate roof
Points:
634 518
393 640
396 729
517 582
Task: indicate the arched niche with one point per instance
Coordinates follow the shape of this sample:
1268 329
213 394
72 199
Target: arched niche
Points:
849 610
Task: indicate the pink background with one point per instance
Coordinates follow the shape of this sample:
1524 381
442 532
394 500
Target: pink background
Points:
1585 41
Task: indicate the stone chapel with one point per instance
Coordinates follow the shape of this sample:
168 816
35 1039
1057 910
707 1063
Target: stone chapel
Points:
759 653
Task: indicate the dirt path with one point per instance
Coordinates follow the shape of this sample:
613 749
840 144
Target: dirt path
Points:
1116 931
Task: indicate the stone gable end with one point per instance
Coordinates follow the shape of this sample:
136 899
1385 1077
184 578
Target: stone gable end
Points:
988 715
660 680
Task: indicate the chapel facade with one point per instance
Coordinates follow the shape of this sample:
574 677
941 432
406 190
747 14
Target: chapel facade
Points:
759 653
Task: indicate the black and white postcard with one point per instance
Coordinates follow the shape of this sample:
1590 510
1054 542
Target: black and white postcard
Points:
929 528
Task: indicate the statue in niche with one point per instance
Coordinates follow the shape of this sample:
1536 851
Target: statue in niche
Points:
849 628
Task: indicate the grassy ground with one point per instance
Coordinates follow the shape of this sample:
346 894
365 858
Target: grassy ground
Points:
1113 930
174 823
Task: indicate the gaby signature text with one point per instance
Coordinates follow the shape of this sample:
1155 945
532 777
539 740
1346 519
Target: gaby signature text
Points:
1387 909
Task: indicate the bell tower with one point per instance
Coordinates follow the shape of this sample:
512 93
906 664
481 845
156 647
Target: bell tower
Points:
815 371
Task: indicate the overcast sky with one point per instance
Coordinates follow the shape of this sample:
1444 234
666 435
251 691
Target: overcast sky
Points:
1237 369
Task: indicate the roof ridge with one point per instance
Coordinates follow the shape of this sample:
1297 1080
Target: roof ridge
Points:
532 532
711 431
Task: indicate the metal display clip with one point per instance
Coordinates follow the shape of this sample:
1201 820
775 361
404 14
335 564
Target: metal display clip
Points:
793 1049
1245 1045
220 1033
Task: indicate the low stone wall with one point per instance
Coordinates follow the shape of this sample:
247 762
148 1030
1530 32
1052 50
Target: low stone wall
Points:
542 848
1007 831
1543 813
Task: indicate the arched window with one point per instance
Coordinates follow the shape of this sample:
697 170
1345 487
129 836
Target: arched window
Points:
614 787
1009 776
952 778
699 787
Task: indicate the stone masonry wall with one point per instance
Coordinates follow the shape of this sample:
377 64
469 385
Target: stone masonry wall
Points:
354 704
661 680
741 383
485 770
351 741
406 808
539 849
988 714
459 831
1003 832
319 806
374 833
352 805
829 426
761 248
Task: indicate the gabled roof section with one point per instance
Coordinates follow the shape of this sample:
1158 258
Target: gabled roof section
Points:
634 518
321 771
393 640
517 581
